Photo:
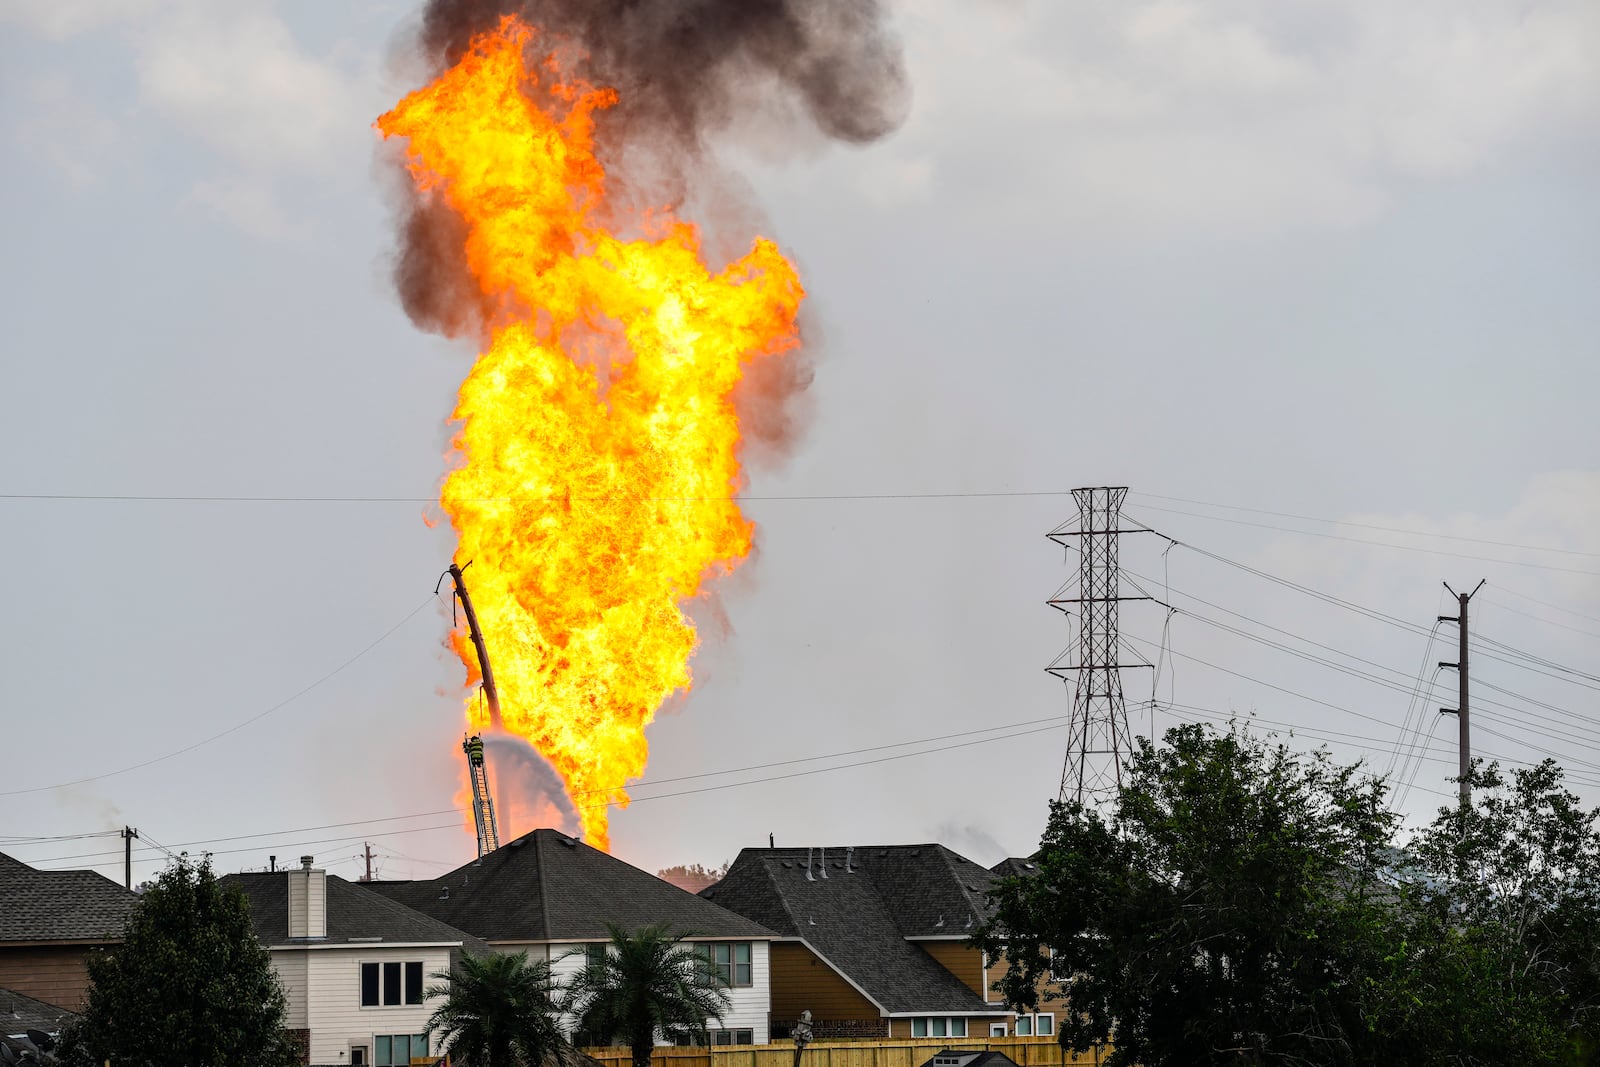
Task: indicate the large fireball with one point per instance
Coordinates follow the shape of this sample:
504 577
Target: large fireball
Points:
598 447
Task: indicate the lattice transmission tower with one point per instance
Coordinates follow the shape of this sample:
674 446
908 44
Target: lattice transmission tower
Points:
1099 740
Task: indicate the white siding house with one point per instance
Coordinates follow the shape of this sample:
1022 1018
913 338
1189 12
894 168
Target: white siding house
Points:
552 895
353 963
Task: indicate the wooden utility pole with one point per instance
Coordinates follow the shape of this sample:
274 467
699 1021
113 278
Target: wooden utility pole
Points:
1462 709
368 876
475 632
128 834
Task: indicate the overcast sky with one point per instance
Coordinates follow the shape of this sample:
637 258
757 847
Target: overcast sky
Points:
1335 259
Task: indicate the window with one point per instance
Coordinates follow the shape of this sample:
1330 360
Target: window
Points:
396 1050
1024 1026
1044 1025
594 956
730 961
998 1030
390 984
939 1027
733 1037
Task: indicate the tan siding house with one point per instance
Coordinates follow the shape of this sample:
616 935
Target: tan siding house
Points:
50 923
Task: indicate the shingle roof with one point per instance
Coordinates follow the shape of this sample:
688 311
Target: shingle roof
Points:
860 916
355 913
40 905
19 1014
1015 867
545 886
970 1058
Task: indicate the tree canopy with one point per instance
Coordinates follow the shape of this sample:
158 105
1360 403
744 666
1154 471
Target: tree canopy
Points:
647 982
498 1010
1243 903
190 986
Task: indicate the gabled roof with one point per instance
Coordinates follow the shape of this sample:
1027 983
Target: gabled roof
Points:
19 1014
546 886
862 916
355 915
40 905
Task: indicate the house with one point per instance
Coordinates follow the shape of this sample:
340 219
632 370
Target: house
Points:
50 924
872 940
354 964
552 896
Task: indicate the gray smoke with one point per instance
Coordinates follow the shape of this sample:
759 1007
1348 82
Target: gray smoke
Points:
528 793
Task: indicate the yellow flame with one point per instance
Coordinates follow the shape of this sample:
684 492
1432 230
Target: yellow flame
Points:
599 447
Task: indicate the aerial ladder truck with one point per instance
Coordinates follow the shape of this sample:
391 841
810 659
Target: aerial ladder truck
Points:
482 801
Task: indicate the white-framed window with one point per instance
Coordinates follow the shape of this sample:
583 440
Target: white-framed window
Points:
391 983
939 1026
396 1050
737 1036
1044 1024
730 961
999 1030
1024 1026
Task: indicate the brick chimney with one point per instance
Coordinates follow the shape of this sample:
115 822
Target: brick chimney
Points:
308 901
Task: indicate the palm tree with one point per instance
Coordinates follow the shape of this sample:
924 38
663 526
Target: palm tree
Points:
498 1011
648 982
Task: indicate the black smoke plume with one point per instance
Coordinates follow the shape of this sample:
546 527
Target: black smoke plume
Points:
683 69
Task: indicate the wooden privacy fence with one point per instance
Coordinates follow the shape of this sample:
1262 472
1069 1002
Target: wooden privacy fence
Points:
896 1052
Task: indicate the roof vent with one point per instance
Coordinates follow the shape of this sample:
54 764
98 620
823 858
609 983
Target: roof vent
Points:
849 859
519 842
363 940
939 923
305 863
445 895
787 865
810 921
570 842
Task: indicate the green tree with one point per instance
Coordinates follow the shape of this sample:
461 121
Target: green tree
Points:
1508 894
1245 904
190 986
649 982
498 1010
1229 910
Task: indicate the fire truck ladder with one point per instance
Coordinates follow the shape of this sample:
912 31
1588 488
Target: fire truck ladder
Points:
482 800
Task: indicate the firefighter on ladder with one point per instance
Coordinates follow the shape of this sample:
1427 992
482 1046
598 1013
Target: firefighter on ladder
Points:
473 746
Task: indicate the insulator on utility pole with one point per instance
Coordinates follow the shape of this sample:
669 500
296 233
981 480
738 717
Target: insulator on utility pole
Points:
1462 710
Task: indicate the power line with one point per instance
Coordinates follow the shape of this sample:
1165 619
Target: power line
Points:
285 702
1541 619
1364 526
1018 728
1547 604
1377 544
1328 598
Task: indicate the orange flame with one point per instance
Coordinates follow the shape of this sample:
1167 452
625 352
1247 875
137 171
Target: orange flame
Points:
599 446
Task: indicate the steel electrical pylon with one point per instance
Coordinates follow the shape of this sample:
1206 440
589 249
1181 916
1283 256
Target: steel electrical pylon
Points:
1099 740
